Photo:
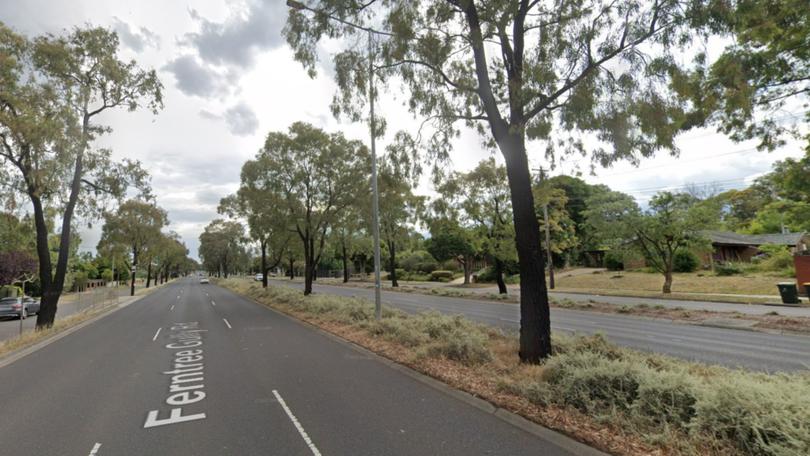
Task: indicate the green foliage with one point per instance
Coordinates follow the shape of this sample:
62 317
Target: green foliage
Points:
418 261
441 276
727 269
779 258
221 246
614 260
315 176
685 261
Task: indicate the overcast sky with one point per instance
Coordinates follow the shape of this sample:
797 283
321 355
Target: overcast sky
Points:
230 78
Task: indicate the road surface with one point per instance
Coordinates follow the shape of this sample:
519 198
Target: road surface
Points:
195 370
730 347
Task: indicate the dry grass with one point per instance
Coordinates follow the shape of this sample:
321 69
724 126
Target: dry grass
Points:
619 400
32 337
695 282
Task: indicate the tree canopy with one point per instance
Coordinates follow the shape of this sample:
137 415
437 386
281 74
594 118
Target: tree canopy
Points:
52 90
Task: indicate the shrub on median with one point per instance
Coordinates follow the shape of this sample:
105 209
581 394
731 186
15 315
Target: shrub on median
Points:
684 407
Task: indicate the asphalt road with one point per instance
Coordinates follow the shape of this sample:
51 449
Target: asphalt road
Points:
195 370
729 347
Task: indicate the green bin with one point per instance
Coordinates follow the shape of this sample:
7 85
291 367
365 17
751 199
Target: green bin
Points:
789 292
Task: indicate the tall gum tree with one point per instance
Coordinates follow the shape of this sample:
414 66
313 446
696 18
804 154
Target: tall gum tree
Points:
260 205
482 194
554 71
318 175
52 89
136 225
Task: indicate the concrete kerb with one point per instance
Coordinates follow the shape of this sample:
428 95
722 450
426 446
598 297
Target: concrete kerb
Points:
559 439
25 351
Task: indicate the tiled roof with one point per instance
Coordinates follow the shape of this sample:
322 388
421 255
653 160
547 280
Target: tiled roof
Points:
726 237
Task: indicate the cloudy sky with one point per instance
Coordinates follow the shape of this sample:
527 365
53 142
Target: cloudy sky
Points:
230 78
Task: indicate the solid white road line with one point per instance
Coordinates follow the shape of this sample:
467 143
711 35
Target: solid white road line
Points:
95 449
156 334
298 426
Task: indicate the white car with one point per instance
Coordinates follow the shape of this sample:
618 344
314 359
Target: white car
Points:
204 280
259 277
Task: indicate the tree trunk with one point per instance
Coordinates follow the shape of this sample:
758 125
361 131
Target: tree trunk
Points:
133 271
309 258
535 326
264 263
292 269
149 274
499 276
345 264
392 261
467 266
49 300
667 282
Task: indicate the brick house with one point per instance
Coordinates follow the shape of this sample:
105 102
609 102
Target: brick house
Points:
728 246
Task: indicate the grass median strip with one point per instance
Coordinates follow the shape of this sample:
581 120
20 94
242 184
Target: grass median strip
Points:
616 399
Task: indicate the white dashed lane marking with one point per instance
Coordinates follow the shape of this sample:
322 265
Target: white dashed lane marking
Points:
227 323
94 451
297 425
156 334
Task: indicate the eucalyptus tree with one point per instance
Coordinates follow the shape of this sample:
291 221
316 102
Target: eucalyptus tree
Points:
399 207
136 225
345 231
762 73
261 205
318 176
170 256
52 90
518 70
222 246
483 197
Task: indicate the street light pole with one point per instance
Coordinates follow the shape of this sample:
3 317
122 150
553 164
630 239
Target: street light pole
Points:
375 197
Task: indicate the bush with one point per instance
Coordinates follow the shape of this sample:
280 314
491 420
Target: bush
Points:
418 261
685 261
779 259
759 416
667 399
614 261
441 276
727 269
591 383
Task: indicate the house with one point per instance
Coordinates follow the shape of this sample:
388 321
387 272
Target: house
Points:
728 246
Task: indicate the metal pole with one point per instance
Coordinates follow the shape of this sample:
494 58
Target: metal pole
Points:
22 302
548 248
375 198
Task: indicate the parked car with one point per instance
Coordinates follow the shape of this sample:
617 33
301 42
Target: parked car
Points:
259 277
204 280
20 307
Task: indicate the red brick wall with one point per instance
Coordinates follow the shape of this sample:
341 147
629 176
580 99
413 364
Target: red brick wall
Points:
802 271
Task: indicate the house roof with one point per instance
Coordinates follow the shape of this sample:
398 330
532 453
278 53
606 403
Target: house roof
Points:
730 238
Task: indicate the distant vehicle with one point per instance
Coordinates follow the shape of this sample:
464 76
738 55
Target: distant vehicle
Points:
18 307
259 277
204 280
